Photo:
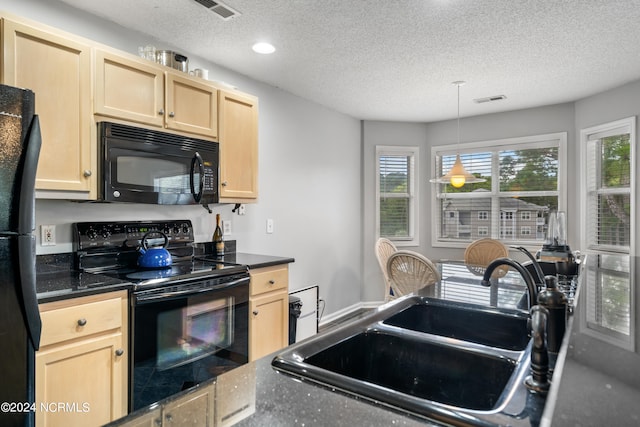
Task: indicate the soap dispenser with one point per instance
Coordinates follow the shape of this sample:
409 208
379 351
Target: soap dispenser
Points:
556 303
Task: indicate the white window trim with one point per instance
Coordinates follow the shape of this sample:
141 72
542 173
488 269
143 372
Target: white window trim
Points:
586 135
414 207
521 143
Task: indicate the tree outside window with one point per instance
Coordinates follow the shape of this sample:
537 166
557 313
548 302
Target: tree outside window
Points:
396 188
608 210
524 182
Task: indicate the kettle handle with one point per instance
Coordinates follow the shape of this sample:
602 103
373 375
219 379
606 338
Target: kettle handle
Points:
143 242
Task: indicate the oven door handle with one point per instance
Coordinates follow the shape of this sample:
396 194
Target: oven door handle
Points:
142 298
197 158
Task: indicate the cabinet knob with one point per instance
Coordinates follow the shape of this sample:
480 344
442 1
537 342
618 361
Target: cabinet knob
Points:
169 417
161 112
158 422
224 183
272 282
119 352
172 114
82 322
87 173
255 312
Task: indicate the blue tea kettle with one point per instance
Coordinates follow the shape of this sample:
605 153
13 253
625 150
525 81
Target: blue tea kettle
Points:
155 256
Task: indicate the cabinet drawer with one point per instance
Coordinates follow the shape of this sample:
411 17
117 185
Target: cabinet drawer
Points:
80 320
269 279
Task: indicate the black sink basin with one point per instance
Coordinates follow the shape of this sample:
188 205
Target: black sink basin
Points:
455 363
419 368
474 324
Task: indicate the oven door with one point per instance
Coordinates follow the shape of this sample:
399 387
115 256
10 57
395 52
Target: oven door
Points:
185 334
145 166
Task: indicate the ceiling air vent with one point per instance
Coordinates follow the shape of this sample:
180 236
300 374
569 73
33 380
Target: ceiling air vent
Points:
220 9
489 99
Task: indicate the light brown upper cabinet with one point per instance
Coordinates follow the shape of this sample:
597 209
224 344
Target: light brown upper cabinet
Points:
140 91
238 119
57 68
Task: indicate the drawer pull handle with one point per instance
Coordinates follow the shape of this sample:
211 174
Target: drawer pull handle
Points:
255 312
119 352
272 282
82 322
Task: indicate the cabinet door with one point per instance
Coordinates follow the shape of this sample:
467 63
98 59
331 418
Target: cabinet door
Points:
86 377
193 409
269 324
192 106
238 119
129 89
58 70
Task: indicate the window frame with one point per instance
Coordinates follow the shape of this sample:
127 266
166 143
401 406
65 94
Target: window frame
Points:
592 250
414 192
557 139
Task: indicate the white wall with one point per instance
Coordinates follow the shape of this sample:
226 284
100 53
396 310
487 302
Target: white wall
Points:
309 180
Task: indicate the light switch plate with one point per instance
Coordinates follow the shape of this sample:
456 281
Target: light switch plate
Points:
269 226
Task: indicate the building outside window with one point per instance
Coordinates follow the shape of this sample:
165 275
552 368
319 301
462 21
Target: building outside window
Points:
397 194
525 180
525 231
608 194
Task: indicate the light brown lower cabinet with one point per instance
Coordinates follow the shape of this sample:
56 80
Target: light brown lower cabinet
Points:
192 409
81 367
268 310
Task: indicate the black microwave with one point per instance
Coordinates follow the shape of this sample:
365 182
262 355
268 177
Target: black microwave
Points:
147 166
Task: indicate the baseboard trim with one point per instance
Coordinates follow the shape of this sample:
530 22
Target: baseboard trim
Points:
348 310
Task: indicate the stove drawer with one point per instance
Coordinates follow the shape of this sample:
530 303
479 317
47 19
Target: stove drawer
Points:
79 317
269 279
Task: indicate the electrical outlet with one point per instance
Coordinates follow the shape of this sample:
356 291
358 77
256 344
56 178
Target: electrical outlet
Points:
269 226
226 227
241 210
48 235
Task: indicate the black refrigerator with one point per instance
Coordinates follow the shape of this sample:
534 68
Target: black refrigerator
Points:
20 323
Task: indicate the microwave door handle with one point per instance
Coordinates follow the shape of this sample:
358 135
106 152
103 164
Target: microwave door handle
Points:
197 158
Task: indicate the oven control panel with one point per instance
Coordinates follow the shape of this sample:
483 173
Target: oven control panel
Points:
96 235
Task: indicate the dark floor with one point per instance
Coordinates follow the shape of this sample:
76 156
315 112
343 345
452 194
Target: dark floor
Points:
347 317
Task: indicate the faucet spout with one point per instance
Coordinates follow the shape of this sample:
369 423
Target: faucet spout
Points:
528 279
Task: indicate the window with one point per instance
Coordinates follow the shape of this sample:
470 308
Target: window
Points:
397 193
525 231
525 180
608 177
483 231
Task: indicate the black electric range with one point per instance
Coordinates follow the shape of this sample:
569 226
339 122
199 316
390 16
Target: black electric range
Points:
188 322
111 249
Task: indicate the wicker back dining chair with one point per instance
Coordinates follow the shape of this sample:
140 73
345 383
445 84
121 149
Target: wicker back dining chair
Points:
384 249
481 252
409 271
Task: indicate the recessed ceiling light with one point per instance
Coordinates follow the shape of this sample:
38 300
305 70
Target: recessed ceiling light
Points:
263 47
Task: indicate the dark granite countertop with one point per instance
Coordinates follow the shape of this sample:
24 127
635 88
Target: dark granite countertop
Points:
254 261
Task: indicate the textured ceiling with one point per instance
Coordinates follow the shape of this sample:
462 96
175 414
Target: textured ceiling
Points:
395 60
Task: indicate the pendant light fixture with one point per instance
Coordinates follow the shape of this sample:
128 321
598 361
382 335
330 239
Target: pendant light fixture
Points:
458 175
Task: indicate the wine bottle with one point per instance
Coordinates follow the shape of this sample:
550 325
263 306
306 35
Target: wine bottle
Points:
218 238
